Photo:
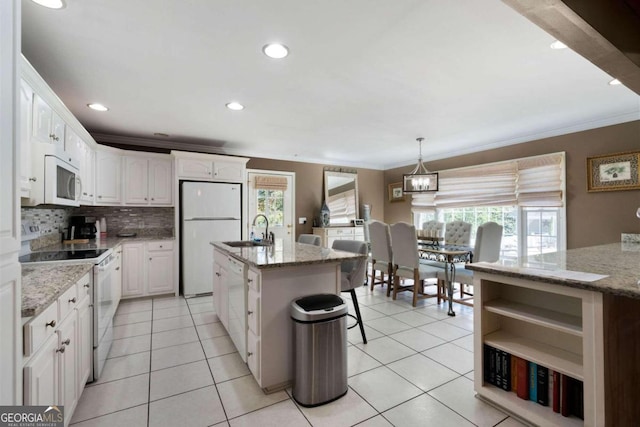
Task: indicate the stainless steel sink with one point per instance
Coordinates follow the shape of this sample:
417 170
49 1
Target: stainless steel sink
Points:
246 244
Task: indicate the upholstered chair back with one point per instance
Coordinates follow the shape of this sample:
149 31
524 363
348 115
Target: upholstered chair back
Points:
457 233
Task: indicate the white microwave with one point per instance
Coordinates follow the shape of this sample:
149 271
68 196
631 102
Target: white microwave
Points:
62 184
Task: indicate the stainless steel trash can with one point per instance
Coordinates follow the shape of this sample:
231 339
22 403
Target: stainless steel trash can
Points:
320 349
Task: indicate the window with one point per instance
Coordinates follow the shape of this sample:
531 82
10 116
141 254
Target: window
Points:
271 204
525 196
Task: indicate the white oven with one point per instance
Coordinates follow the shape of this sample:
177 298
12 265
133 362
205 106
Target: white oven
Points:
62 184
105 304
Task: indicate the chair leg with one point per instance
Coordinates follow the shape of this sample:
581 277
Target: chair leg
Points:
416 284
373 273
354 298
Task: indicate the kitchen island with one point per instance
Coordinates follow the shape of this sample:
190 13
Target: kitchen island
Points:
575 312
252 292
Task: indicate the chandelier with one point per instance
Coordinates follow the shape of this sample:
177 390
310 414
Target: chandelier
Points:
420 180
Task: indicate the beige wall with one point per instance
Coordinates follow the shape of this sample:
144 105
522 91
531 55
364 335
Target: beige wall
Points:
309 188
592 218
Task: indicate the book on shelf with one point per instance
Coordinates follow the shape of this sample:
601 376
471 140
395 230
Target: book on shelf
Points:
575 397
498 366
564 401
543 387
505 361
514 373
556 391
533 381
489 364
523 378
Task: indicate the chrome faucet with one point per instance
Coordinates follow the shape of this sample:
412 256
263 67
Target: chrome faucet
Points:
266 236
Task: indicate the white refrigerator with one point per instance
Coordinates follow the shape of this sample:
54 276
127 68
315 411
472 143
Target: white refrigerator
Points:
210 212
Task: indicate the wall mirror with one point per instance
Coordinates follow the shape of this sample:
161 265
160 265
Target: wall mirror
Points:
341 196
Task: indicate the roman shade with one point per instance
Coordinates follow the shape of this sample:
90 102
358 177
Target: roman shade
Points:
264 182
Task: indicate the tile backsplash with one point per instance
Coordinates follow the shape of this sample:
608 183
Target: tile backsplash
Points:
144 221
51 222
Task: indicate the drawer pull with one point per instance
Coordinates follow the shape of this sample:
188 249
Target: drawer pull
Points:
60 350
33 179
249 354
249 312
249 280
217 274
117 268
52 324
67 341
73 300
86 286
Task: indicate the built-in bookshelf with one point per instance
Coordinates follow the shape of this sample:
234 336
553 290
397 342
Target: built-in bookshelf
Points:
550 330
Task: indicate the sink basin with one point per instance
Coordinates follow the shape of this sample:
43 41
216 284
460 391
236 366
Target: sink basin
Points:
246 244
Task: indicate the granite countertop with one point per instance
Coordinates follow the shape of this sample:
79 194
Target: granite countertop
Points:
285 255
579 268
42 284
104 243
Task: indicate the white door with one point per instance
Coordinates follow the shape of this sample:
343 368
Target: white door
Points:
276 204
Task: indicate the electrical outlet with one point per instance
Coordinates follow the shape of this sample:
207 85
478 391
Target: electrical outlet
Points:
302 220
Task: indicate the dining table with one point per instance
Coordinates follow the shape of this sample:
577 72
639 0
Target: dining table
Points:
449 255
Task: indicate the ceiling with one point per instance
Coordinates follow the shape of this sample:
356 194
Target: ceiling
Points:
363 80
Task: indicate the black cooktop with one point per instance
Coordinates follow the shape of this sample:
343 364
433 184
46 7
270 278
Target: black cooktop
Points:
62 255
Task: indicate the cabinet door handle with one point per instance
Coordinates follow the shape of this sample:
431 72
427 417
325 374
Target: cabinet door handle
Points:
154 199
52 324
249 354
150 259
249 280
33 179
145 198
60 350
99 197
73 300
67 341
117 268
86 286
52 135
249 312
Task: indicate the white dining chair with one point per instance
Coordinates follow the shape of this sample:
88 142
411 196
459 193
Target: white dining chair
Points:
381 254
310 239
406 262
457 233
486 249
353 273
434 226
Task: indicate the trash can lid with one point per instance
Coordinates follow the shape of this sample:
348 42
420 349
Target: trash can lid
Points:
318 308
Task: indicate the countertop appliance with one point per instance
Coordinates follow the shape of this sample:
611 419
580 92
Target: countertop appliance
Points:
105 296
209 212
82 227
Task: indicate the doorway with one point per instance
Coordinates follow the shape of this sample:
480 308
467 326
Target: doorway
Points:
272 193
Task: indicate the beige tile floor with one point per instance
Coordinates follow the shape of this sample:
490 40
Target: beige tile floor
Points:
173 364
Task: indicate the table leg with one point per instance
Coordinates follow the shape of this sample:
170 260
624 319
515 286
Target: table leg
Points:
450 273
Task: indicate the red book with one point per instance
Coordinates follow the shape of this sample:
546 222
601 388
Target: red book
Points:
523 379
556 391
564 392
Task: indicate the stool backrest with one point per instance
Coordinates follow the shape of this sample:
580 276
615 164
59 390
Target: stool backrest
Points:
310 239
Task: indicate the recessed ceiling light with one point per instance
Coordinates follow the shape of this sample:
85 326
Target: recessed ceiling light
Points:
235 106
51 4
275 50
97 107
615 82
558 45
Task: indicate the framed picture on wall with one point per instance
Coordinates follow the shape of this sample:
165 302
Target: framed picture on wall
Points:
612 172
395 192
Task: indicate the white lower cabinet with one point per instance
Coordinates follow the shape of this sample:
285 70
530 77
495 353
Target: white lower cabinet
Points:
41 375
148 268
59 343
331 234
269 292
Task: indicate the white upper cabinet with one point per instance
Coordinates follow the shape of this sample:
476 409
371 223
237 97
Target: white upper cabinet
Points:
47 127
210 167
73 147
160 181
87 174
24 128
136 188
148 181
108 178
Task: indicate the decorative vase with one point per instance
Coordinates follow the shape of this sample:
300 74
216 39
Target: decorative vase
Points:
324 215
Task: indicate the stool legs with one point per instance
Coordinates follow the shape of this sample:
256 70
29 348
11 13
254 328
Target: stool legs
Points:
354 298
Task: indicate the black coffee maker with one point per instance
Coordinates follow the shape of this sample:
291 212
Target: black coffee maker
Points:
82 227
